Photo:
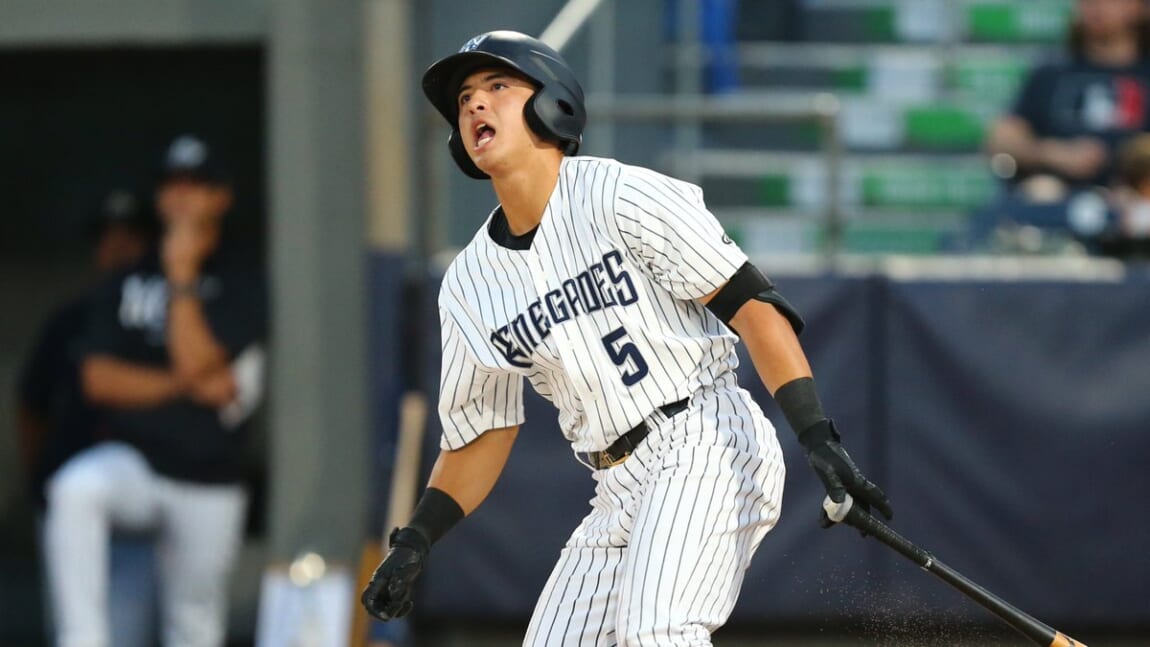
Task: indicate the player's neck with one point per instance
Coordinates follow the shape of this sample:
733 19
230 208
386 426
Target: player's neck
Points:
524 193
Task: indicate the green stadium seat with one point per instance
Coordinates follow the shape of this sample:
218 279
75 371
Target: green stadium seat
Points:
1021 21
943 126
880 238
992 79
941 185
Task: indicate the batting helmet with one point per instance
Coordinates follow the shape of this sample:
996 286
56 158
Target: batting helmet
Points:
555 112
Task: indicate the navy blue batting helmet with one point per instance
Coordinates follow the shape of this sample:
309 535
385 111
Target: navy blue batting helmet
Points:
555 112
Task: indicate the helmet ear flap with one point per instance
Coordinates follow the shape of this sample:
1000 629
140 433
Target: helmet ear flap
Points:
462 159
543 116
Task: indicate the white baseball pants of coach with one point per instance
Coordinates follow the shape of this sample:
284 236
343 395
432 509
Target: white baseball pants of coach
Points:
199 530
660 558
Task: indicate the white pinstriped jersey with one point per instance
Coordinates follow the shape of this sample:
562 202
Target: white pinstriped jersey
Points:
599 314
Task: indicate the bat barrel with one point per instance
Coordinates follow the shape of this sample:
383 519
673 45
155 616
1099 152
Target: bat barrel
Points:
1027 625
1037 631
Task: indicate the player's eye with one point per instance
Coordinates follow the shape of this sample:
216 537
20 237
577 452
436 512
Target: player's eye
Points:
463 98
498 85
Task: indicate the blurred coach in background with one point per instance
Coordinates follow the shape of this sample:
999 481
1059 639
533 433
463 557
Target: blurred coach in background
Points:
173 355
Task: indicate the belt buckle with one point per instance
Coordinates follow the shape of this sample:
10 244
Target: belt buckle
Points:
617 461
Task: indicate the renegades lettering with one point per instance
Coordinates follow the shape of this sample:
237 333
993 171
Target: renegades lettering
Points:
603 285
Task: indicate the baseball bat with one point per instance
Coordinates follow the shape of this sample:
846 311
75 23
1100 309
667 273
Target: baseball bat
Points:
404 488
1038 632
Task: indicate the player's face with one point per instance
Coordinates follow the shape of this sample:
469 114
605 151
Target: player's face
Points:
491 121
118 247
1105 19
189 200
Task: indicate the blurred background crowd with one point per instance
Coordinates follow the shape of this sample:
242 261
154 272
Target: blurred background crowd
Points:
187 183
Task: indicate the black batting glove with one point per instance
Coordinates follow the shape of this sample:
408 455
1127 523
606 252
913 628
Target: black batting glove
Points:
389 593
838 472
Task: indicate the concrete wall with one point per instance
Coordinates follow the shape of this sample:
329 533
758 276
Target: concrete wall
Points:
38 23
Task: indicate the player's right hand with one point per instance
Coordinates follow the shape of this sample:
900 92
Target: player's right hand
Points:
216 389
389 593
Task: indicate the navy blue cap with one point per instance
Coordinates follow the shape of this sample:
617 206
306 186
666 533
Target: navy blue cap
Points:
189 156
121 208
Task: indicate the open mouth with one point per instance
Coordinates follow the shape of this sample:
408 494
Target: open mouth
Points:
483 134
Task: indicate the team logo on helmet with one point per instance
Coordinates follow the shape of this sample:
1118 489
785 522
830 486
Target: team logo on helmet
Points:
474 43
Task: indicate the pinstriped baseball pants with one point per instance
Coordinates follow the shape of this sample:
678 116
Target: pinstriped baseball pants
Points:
199 535
660 558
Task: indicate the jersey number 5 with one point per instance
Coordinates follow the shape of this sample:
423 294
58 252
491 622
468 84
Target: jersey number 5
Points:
621 352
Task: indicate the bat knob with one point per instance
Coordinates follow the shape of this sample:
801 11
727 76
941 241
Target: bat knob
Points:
836 512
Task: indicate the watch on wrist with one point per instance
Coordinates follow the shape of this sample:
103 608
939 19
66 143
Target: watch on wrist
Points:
186 289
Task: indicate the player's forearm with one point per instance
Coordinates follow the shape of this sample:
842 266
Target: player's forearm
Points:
192 348
469 474
1012 136
772 344
111 382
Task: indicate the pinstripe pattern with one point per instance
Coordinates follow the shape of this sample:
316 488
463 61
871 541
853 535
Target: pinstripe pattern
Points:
671 250
660 558
599 314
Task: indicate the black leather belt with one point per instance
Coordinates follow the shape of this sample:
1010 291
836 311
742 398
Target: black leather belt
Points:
625 444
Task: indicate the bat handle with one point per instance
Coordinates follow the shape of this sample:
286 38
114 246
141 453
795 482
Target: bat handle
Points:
856 517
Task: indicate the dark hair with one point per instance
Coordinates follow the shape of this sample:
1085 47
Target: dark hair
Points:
1076 36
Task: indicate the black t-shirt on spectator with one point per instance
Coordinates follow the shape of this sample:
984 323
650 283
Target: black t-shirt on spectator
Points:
181 439
1075 98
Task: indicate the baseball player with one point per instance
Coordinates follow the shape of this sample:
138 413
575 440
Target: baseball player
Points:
615 292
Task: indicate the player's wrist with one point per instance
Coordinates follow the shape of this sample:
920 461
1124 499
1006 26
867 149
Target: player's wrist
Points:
820 434
179 384
183 289
435 514
409 537
799 402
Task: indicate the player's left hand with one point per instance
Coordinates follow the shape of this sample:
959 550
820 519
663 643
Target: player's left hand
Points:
838 472
388 594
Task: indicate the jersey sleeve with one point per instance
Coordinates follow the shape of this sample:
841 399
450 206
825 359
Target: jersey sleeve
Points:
1033 100
677 240
472 398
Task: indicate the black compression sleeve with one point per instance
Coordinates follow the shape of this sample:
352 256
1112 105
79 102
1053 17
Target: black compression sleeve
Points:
799 401
435 514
